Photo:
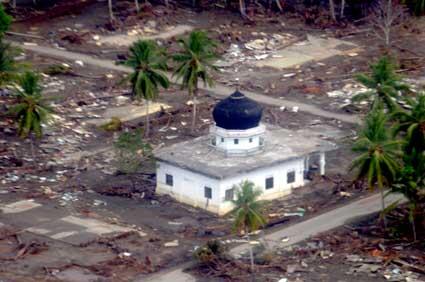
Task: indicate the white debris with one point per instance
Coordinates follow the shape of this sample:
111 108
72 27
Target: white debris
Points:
285 239
174 243
80 63
295 109
257 44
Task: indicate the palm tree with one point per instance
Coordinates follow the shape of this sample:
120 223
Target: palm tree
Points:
378 162
148 62
247 211
30 109
413 123
194 63
384 85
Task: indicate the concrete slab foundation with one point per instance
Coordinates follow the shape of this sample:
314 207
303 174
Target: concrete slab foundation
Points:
128 112
127 40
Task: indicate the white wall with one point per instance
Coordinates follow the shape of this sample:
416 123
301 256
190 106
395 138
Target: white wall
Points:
258 177
228 144
189 186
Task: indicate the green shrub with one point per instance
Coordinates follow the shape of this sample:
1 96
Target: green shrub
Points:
5 20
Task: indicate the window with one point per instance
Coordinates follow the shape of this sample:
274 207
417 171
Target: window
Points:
261 141
229 194
236 141
290 177
269 183
222 139
213 141
169 179
250 140
207 192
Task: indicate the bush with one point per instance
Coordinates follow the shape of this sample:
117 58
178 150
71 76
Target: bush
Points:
5 20
131 152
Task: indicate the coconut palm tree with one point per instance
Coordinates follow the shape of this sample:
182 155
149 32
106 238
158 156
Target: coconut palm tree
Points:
247 211
30 108
378 162
194 64
412 123
384 85
148 62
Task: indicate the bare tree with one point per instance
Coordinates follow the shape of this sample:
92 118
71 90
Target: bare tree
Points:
341 14
332 9
384 17
137 5
242 8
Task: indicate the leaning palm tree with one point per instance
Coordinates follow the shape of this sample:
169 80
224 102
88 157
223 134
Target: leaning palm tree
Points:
412 123
384 85
247 211
148 62
378 162
194 64
30 109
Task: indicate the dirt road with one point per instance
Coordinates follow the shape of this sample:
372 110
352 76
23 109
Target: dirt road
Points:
218 90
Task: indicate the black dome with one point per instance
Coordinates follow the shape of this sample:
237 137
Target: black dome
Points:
237 112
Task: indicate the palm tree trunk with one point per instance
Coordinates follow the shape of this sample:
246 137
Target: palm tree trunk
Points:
383 207
111 13
147 125
251 253
32 147
412 221
195 105
13 4
342 9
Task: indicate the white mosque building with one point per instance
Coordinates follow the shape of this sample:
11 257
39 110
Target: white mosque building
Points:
203 172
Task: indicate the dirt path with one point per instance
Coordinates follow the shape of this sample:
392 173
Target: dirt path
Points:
324 222
218 90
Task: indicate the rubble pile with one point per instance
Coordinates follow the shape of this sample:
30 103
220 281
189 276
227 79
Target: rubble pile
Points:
254 50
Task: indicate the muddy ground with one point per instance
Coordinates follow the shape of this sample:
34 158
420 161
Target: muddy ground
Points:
316 82
59 179
362 250
75 160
